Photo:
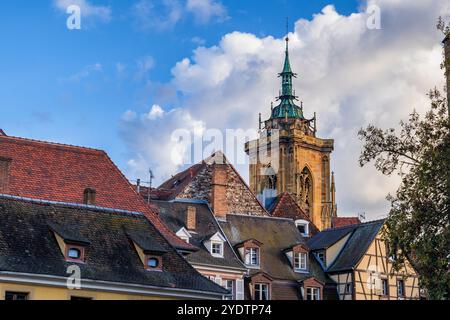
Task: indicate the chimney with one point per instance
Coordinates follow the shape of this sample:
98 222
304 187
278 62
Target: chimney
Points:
446 43
138 186
219 190
191 218
89 196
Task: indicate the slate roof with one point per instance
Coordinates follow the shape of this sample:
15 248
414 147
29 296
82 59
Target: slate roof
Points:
285 206
58 172
28 245
173 214
361 236
277 235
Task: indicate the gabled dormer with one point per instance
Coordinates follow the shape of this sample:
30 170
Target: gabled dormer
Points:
72 245
250 252
184 235
150 252
298 257
215 245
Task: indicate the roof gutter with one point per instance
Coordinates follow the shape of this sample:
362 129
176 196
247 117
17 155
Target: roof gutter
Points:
114 287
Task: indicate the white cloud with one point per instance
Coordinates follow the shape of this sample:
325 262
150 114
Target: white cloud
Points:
85 73
350 75
157 15
88 10
144 65
205 10
150 137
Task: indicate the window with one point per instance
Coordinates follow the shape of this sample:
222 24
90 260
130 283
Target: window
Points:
322 257
17 296
300 259
312 293
303 227
348 288
89 196
252 257
217 249
74 253
153 263
384 287
261 291
229 285
400 288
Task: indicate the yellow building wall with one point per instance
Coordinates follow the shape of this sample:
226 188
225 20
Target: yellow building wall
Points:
342 280
376 265
53 293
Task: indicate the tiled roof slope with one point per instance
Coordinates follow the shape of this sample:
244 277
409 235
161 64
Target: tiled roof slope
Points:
338 222
277 235
361 236
174 215
28 245
45 170
286 207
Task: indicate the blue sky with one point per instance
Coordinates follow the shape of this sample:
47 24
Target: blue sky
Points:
101 86
40 55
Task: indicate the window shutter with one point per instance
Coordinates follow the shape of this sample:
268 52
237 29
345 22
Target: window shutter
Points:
240 289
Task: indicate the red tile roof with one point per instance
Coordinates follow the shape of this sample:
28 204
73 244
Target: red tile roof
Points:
57 172
338 222
286 207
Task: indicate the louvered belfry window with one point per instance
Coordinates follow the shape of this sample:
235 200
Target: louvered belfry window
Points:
5 165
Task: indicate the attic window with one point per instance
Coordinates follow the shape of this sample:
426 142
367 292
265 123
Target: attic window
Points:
252 257
89 196
217 249
300 261
75 253
153 263
322 257
303 227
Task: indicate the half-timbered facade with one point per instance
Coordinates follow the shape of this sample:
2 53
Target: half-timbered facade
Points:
356 258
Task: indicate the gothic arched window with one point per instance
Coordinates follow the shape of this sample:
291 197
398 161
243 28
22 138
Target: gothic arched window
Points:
305 188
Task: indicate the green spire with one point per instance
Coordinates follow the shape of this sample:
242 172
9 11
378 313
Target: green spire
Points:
287 107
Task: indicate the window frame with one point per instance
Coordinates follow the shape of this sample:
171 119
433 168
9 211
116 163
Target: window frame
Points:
81 249
298 261
159 267
313 292
385 287
225 284
221 246
15 294
252 252
402 286
260 291
305 224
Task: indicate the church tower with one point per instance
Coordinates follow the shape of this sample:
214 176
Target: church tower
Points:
288 157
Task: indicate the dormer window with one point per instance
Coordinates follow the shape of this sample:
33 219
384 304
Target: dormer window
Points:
303 227
72 244
300 261
149 251
217 249
153 263
184 235
252 257
215 245
74 253
321 256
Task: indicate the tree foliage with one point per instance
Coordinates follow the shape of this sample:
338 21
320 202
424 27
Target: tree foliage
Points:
418 222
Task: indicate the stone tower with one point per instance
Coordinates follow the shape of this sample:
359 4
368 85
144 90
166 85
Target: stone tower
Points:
288 157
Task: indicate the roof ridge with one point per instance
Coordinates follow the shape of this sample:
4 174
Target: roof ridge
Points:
53 144
261 217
